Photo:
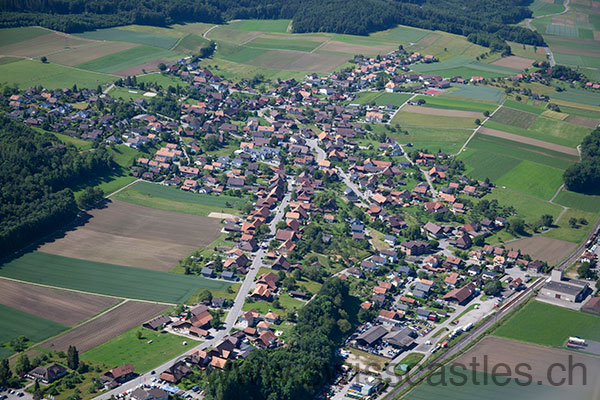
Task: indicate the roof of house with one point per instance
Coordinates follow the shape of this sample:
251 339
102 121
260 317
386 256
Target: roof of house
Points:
373 335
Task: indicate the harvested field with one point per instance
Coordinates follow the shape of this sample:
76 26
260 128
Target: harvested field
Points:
538 358
514 117
546 249
442 112
137 70
573 50
530 141
299 61
62 306
127 234
352 49
43 45
105 327
583 121
514 62
82 54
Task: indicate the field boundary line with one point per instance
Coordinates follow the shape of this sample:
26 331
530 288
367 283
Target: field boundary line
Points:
479 127
84 292
205 34
321 45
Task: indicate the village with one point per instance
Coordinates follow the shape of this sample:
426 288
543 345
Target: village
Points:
404 226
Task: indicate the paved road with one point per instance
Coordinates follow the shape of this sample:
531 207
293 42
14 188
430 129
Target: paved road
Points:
466 339
232 316
579 250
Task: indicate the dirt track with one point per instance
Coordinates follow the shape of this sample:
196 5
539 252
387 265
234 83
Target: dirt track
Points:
61 306
543 248
136 236
105 327
530 141
440 112
538 358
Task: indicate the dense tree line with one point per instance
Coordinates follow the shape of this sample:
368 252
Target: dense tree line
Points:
300 369
484 22
35 176
584 176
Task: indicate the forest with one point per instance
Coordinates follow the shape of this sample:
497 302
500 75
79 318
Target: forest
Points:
36 172
584 176
298 370
484 22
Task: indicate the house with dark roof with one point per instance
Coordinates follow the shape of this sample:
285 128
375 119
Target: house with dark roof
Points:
372 336
158 322
47 374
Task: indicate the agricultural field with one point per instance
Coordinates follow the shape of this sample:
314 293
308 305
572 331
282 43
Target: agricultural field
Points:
530 209
411 119
135 236
172 199
145 35
447 103
393 99
108 279
500 160
479 92
126 59
108 325
544 248
26 73
61 306
145 353
447 140
514 117
576 234
464 67
441 112
589 203
15 323
261 25
559 323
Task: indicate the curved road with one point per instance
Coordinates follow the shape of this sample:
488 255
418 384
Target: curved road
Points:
546 48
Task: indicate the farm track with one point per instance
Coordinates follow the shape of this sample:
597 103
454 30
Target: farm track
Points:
547 48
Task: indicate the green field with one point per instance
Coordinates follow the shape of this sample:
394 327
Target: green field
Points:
26 73
523 106
558 324
410 360
190 44
455 104
127 348
15 35
126 35
579 201
394 99
283 43
529 169
577 60
455 382
366 98
463 62
577 234
545 129
477 92
510 116
406 35
578 96
447 140
172 199
532 178
110 279
127 59
15 323
406 119
562 30
543 8
528 208
261 25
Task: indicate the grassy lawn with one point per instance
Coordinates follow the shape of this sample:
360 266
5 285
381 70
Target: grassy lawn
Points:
15 323
523 105
228 294
549 325
127 348
26 73
366 97
287 303
172 199
110 279
16 35
411 360
394 99
477 92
